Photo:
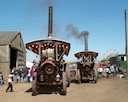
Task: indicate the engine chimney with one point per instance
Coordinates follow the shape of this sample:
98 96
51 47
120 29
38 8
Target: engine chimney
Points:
86 41
50 21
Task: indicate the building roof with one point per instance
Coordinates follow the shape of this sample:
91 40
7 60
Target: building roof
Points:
7 37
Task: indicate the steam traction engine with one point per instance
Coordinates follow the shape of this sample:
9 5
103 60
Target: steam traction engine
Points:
86 64
51 70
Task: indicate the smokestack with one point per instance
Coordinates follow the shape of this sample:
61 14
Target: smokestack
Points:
50 21
86 41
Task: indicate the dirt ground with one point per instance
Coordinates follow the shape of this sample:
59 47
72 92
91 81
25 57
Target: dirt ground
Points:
106 90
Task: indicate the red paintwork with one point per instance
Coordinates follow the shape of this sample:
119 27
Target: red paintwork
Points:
48 62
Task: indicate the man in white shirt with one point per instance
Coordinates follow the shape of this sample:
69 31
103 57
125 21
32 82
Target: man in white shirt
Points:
100 70
10 83
107 70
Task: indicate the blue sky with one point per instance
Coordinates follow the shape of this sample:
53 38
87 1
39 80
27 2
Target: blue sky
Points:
103 19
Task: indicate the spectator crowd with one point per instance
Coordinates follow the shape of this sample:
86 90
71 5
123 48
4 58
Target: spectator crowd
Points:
109 71
19 75
22 75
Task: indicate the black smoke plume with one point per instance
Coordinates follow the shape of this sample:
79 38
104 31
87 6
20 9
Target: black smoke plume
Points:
73 31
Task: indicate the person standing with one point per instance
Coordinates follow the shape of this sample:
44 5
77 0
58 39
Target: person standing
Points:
25 73
107 70
1 79
15 76
12 71
100 70
20 72
10 86
116 70
22 76
31 74
112 69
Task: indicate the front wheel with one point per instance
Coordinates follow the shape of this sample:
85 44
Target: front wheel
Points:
78 76
64 85
95 78
68 75
34 85
68 82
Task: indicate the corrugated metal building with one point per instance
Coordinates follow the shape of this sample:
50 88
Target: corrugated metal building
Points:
12 51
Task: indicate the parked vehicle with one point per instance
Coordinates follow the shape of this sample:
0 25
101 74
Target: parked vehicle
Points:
51 70
120 61
86 66
74 73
